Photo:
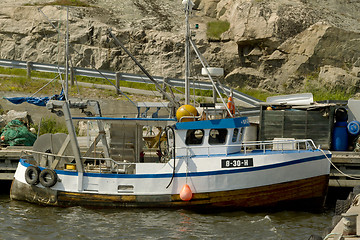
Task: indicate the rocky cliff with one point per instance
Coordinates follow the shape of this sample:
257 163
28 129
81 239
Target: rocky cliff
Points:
276 45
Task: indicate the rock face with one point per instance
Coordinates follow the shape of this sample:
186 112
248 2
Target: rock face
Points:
271 44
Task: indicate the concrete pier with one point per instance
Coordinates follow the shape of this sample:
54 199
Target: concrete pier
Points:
348 228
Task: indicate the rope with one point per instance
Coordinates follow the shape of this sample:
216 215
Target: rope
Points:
346 175
332 234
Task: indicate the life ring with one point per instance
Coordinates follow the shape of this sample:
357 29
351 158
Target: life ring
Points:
48 177
32 175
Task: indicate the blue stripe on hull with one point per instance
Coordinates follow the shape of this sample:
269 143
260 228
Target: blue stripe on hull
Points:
193 174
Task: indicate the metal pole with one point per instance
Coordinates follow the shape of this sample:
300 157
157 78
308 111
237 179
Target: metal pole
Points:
187 54
67 56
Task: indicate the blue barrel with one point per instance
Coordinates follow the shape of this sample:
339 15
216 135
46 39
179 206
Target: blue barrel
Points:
340 137
354 128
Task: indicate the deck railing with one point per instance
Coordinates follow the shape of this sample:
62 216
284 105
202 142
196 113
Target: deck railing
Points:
253 146
98 164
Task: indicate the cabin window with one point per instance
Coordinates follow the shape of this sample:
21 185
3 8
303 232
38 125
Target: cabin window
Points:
194 137
217 136
235 134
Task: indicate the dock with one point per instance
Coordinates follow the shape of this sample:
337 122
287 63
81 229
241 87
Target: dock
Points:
349 165
347 225
9 158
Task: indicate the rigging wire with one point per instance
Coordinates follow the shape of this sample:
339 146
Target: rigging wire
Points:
44 86
91 64
212 81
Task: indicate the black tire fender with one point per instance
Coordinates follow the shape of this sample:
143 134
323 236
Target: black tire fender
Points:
32 175
48 177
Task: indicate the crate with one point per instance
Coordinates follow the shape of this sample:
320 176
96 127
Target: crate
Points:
302 123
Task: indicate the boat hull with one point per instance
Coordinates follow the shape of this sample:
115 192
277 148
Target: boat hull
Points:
266 180
311 190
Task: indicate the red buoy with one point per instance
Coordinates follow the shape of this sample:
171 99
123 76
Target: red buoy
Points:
185 193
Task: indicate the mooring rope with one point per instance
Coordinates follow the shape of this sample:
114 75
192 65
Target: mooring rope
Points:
346 175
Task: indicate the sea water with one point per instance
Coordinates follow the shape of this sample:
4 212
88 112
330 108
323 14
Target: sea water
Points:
21 220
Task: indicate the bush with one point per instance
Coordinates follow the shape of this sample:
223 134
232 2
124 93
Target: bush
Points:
216 28
50 125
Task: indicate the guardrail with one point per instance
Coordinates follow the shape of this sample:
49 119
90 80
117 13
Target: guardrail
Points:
119 76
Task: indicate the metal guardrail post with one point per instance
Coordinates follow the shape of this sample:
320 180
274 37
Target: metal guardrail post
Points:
214 91
165 82
28 70
72 76
117 78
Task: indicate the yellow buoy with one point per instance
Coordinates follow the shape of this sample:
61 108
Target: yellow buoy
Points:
187 113
186 193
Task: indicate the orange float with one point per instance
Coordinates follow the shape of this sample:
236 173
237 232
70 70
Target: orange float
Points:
186 193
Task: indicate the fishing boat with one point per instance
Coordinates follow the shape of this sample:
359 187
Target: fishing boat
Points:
200 161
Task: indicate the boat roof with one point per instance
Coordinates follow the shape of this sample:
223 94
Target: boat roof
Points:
215 123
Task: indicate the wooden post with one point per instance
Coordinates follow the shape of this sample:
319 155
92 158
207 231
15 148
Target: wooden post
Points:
72 76
165 81
214 93
117 84
28 70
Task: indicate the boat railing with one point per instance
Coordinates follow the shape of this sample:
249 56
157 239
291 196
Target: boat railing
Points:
98 164
106 165
280 145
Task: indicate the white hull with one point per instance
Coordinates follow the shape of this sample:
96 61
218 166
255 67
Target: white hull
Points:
205 177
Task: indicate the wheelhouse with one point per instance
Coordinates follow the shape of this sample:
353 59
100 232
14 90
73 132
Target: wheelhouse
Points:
210 137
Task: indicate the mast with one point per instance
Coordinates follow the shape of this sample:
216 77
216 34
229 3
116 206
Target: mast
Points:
67 56
188 7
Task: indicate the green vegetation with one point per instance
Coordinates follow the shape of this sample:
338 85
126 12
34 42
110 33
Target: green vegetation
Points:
320 92
74 3
216 28
23 84
50 125
259 94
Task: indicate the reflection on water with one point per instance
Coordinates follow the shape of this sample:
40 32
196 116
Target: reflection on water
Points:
28 221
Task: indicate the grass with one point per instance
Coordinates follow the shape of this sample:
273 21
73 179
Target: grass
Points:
50 125
73 3
16 84
259 94
313 84
216 28
21 83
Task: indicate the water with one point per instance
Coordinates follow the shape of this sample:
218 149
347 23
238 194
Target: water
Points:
21 220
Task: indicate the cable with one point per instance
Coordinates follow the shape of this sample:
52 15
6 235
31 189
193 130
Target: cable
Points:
346 175
166 129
